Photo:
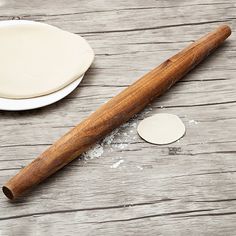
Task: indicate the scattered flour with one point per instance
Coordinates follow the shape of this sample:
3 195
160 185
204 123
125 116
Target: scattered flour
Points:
193 122
134 125
109 139
115 165
123 139
147 110
120 145
94 152
140 167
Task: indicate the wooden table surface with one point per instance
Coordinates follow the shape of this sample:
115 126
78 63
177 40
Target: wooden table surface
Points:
125 186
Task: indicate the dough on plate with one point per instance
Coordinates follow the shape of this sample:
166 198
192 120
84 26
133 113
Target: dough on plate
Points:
161 128
38 59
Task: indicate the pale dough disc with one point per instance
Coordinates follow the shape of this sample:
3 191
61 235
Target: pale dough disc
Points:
161 128
38 59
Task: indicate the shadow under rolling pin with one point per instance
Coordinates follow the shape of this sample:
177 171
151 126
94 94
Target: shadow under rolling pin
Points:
115 112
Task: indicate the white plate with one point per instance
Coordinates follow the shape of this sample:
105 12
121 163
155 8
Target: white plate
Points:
32 103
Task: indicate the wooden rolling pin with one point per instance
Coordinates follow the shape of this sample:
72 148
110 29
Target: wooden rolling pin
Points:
115 112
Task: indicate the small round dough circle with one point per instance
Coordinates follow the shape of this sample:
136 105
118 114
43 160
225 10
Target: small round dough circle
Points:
161 128
38 59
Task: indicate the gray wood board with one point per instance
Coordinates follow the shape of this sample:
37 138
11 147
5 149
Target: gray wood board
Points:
185 188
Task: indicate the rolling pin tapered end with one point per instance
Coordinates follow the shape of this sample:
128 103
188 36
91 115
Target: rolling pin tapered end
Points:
8 193
227 29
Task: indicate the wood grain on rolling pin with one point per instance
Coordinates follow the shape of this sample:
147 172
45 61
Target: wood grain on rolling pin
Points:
115 112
